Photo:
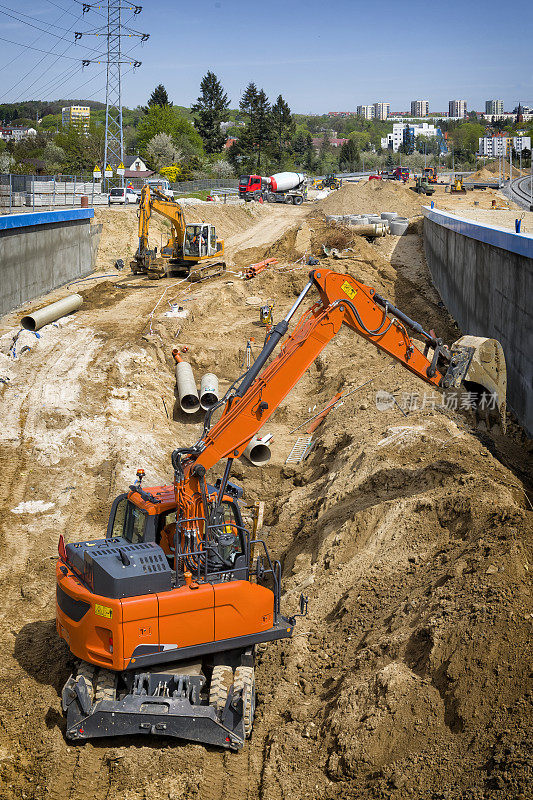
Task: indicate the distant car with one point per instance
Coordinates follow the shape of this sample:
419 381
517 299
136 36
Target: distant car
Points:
162 185
122 195
375 178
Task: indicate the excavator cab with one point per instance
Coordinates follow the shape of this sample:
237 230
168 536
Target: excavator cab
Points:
200 241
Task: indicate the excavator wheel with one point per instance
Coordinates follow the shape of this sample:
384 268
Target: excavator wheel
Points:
86 672
244 681
106 683
221 680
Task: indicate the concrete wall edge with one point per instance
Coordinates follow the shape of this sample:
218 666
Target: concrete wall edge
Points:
520 243
10 221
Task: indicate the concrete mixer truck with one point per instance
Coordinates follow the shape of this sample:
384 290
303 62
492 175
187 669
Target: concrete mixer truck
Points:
283 187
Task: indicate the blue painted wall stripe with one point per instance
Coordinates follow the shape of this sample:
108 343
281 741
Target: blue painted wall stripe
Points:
505 239
9 221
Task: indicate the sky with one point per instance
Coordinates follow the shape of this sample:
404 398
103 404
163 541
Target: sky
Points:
321 55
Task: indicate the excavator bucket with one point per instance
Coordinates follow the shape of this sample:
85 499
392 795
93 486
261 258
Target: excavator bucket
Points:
486 375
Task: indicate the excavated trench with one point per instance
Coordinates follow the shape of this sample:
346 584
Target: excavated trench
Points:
410 676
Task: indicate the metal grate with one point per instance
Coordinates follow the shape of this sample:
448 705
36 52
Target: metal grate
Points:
299 450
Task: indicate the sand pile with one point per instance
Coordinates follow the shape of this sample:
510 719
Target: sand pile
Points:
481 175
373 197
492 168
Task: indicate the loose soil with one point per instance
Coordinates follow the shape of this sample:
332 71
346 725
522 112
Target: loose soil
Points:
410 678
373 197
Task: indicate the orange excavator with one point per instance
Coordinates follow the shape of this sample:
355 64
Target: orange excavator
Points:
165 613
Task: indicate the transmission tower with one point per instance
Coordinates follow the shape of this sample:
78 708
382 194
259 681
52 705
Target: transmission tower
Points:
114 136
114 30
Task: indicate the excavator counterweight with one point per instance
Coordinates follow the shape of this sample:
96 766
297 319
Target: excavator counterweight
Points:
165 613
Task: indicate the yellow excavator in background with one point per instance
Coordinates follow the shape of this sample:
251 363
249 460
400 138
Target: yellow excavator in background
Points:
194 248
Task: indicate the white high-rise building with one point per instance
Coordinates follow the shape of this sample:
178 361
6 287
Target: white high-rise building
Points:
381 110
457 108
402 132
365 111
494 107
494 146
419 108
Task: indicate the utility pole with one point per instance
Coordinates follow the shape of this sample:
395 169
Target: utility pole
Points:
114 57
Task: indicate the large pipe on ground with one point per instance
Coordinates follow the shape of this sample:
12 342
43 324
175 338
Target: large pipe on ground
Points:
36 320
187 391
258 451
209 391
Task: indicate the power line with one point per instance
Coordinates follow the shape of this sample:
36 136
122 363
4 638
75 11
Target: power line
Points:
32 69
48 33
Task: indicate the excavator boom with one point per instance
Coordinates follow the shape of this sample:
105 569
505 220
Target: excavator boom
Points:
343 300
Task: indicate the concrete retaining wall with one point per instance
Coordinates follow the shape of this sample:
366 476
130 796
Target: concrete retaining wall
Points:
41 251
484 275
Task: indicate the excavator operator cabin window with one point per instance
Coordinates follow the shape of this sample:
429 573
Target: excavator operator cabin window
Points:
233 525
133 522
213 238
120 515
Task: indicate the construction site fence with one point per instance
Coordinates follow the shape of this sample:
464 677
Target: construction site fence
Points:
31 192
220 185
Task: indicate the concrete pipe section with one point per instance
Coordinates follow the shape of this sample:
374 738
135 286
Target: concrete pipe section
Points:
398 226
209 391
187 391
32 322
258 451
389 215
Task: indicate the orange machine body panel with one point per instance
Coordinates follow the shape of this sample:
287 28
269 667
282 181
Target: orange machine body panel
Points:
111 629
242 608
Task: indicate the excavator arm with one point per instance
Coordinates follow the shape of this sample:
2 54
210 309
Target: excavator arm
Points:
156 201
343 300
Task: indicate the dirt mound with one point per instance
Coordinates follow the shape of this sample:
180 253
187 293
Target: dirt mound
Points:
481 175
492 169
373 197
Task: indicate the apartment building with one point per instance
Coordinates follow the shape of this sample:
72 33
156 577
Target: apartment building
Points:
494 146
365 111
76 116
457 108
494 107
419 108
407 134
381 110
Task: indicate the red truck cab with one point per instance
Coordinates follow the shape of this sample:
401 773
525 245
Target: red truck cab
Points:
401 174
249 184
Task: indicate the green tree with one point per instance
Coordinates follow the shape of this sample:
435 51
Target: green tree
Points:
210 110
262 125
390 161
283 125
164 119
159 97
349 155
248 101
162 152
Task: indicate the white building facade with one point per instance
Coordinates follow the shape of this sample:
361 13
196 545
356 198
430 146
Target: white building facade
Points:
495 146
402 132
